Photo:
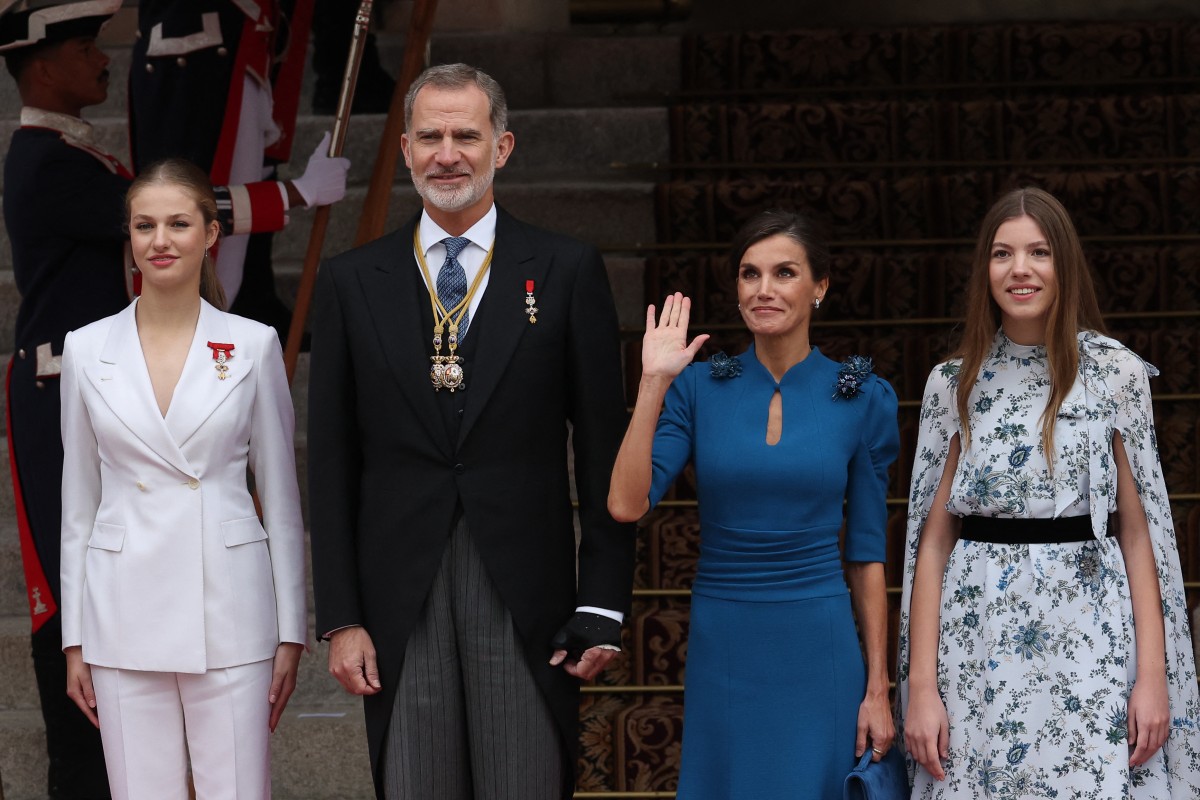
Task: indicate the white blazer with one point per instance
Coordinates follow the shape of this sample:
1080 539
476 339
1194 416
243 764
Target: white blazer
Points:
165 566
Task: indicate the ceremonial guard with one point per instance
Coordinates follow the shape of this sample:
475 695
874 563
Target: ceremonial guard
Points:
63 212
218 82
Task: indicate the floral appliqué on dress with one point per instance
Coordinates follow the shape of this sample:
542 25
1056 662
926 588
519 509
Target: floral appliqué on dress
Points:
723 366
851 376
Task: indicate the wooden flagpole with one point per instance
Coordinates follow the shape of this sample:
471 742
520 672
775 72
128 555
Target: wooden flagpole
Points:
316 238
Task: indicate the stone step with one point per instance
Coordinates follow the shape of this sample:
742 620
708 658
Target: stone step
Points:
13 599
537 70
574 142
22 755
316 754
18 689
598 212
558 141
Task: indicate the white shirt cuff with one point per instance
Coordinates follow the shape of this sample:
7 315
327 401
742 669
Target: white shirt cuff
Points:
604 612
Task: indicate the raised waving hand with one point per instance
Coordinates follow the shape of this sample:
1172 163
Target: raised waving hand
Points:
665 349
665 352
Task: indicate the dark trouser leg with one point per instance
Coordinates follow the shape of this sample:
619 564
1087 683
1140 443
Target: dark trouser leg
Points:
515 746
425 754
469 721
73 744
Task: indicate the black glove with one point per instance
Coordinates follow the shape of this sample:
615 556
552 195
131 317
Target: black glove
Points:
584 631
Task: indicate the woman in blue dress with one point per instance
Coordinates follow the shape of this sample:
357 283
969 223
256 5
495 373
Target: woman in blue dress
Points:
779 700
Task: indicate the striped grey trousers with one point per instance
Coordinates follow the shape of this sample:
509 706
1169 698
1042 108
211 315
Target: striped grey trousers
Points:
469 722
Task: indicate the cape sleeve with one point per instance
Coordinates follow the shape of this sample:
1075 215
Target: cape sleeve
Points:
1128 379
939 423
867 484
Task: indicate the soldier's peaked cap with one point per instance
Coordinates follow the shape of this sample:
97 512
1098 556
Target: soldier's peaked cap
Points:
24 23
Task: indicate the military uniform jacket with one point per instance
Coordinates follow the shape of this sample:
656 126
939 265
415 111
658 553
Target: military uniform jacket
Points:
64 212
189 63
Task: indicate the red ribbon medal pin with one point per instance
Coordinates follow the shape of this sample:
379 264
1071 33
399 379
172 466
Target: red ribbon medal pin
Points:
221 353
530 303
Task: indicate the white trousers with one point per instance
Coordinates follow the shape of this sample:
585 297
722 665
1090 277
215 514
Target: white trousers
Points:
151 721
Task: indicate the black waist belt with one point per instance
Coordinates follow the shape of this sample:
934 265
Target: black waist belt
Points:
1009 530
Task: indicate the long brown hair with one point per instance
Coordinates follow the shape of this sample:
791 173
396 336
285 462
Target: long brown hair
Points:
1074 309
192 180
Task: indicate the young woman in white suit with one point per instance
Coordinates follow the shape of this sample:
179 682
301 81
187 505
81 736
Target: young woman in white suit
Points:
181 611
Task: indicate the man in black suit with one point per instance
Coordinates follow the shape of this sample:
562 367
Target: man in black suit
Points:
451 361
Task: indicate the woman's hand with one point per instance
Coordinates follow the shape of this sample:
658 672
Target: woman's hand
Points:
283 679
927 731
1149 717
665 351
79 683
875 726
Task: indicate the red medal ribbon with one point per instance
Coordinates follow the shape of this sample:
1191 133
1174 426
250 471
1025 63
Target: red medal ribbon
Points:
529 287
219 347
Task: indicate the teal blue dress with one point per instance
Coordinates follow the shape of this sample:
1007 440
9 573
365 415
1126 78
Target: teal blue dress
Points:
775 672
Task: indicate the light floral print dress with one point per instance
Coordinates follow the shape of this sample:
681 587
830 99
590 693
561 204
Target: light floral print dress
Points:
1037 654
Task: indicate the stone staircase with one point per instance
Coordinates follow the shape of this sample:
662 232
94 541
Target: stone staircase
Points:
579 104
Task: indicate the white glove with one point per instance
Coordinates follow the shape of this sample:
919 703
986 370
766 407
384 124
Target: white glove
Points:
324 179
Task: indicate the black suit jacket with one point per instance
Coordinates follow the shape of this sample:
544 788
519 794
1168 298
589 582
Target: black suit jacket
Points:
386 475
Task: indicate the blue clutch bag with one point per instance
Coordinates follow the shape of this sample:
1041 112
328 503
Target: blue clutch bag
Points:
886 779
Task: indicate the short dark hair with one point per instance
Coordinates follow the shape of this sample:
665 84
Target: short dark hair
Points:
17 60
775 222
458 76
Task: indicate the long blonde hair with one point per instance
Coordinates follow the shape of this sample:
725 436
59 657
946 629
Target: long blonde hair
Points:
1074 309
192 180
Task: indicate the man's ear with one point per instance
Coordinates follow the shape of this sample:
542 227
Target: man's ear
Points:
404 143
504 148
39 72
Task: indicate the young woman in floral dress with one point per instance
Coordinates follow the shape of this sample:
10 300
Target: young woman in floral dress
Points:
1039 539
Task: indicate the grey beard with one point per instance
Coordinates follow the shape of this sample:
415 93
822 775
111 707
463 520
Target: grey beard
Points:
453 200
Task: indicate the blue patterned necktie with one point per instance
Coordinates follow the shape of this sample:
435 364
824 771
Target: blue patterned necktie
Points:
452 280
